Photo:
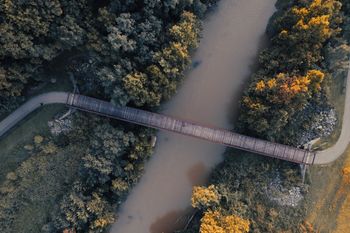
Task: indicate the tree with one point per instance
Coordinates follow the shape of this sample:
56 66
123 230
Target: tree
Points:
292 73
215 222
204 198
126 52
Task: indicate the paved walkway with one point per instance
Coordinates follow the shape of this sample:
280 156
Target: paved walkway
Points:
28 107
331 154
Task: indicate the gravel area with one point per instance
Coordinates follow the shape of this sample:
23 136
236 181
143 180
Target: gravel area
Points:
60 126
275 192
323 123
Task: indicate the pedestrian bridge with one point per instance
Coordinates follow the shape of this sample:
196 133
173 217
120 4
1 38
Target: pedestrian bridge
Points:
212 134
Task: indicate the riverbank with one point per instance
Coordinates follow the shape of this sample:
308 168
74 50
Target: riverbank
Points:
270 193
115 157
116 69
207 95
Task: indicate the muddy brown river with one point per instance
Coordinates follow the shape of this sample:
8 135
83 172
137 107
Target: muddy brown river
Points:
209 95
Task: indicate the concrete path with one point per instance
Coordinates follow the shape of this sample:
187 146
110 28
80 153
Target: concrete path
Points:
331 154
28 107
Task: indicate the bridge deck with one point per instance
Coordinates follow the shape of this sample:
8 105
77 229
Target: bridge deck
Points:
212 134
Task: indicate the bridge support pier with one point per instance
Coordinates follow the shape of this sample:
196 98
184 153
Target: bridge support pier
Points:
303 168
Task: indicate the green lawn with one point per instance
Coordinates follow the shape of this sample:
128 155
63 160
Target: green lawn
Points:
43 178
42 181
12 152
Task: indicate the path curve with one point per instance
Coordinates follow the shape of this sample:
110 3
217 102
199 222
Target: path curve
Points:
322 157
331 154
31 105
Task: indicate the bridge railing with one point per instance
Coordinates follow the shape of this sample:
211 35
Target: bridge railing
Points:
212 134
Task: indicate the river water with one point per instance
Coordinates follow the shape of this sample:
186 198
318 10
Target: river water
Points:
209 95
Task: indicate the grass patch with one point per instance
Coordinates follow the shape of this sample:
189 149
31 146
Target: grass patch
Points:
325 196
41 182
12 151
11 144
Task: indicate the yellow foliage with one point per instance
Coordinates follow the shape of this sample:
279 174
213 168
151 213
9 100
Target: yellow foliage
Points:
215 222
316 17
120 185
346 175
174 53
316 75
260 86
316 3
319 20
285 87
186 32
100 222
95 205
316 78
272 83
322 22
253 104
346 171
134 81
301 84
103 221
301 25
300 11
295 85
203 197
343 224
181 50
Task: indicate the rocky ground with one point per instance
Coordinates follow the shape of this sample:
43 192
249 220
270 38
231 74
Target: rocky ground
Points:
323 124
276 192
58 126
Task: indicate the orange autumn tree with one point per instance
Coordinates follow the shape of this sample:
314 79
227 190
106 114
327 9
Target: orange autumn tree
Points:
346 174
316 17
215 222
283 88
272 100
205 197
306 28
291 73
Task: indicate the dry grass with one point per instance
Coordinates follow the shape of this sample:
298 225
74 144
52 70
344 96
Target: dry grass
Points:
329 197
343 223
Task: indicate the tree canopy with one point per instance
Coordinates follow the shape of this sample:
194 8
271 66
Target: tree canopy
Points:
291 74
126 52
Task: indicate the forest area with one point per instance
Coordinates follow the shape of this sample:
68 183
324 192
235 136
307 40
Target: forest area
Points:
307 55
135 53
127 52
